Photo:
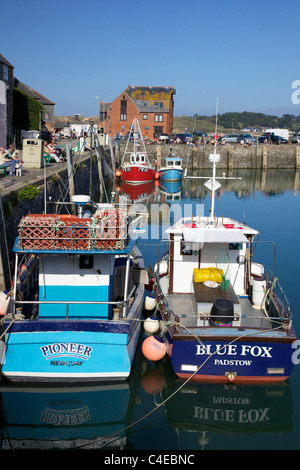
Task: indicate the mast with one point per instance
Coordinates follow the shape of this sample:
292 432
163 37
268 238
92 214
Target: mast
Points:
212 184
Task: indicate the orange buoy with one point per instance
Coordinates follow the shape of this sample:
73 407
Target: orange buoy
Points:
154 348
153 381
118 173
156 183
156 175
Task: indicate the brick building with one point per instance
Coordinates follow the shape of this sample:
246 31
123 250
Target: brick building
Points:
153 106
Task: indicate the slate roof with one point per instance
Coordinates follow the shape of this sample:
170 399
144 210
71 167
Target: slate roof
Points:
31 92
4 61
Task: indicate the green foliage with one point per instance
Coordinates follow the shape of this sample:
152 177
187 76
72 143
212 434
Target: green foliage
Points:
30 192
26 112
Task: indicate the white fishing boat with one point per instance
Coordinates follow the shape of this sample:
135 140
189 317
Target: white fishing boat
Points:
224 316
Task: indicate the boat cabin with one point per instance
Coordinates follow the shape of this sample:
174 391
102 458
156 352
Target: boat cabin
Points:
204 250
137 158
174 162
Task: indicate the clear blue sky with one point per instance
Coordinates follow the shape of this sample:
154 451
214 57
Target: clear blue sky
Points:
244 53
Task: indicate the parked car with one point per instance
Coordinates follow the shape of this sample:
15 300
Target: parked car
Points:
164 137
228 139
245 139
295 139
184 137
274 139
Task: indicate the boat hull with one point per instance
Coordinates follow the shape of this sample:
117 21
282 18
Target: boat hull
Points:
136 174
239 361
167 174
69 351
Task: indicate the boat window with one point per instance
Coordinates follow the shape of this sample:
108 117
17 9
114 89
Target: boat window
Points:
142 158
235 246
137 158
177 163
86 261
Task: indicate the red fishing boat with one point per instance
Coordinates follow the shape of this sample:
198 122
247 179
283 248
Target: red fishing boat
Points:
135 166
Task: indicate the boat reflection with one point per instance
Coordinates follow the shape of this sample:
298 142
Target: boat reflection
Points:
197 412
136 192
111 416
43 417
171 190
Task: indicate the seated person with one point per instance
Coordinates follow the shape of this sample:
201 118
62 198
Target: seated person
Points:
9 158
54 152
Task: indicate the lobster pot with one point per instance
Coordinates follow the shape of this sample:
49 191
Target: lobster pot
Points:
37 231
258 290
110 230
73 233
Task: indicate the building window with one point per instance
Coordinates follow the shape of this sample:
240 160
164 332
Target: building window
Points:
145 117
123 110
158 117
5 72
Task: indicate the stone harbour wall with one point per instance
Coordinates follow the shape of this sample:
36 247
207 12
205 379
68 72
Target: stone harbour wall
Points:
231 156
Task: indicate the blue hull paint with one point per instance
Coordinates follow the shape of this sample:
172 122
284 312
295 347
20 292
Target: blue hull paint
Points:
170 174
69 350
244 358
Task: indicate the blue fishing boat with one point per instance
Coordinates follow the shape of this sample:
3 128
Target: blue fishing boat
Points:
77 297
172 170
224 316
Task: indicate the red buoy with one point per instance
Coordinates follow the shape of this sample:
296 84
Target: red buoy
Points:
154 348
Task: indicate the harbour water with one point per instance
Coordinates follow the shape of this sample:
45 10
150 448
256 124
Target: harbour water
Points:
154 410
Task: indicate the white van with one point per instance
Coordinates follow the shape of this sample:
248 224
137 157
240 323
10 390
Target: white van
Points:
281 132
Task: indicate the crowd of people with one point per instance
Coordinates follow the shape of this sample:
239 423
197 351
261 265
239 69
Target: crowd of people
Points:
10 159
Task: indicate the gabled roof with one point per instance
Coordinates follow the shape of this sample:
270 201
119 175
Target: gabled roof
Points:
4 61
151 98
31 92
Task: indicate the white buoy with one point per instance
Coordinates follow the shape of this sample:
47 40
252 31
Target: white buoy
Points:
150 302
151 324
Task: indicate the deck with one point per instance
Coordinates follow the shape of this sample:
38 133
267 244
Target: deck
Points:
189 310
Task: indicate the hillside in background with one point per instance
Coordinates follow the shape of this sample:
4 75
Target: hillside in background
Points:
227 122
234 122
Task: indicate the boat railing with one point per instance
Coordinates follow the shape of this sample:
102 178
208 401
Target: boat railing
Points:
121 305
277 295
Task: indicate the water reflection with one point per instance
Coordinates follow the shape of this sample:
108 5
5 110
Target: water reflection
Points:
111 416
